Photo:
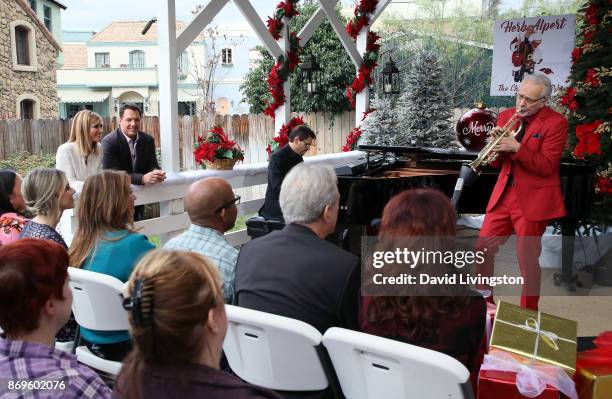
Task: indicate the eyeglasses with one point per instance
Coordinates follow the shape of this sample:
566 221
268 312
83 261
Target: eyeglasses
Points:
528 100
236 201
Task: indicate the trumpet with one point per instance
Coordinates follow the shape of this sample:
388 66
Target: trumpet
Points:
487 155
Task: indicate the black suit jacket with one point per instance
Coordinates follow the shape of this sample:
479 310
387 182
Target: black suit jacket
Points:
116 154
280 164
294 273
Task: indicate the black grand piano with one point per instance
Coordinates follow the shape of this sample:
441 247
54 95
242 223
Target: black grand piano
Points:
367 185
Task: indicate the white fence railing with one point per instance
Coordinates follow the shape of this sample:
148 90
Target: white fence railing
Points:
169 194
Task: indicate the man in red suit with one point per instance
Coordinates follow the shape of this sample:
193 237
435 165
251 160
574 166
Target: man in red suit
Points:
527 195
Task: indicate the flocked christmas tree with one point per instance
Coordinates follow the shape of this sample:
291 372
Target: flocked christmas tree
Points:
381 125
425 106
588 100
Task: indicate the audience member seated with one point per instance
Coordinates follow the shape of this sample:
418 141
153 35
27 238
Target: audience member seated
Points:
12 207
106 242
294 272
452 324
212 209
81 155
47 193
36 301
176 353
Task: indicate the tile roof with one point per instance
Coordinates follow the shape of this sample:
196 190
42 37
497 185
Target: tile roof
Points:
75 56
130 31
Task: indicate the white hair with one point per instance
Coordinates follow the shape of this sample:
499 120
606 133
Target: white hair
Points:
305 192
540 79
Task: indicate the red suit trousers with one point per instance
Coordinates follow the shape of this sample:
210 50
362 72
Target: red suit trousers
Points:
504 219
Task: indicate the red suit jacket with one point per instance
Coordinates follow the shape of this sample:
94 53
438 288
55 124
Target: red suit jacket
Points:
535 166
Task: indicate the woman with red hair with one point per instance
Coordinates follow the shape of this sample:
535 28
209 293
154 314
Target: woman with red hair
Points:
36 301
454 323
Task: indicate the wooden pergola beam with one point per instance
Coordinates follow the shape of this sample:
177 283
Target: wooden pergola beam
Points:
201 20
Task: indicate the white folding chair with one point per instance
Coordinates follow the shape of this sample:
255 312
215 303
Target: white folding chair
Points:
371 367
97 305
273 351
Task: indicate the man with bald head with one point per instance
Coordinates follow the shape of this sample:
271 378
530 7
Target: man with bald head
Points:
212 209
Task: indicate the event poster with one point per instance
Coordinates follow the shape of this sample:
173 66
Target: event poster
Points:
526 45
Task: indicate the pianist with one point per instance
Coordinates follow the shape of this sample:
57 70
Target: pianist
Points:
527 195
281 162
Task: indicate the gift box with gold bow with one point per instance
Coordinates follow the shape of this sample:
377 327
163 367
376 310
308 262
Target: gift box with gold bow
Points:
535 337
594 369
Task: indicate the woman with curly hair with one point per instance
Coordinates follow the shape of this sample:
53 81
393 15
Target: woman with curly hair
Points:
454 323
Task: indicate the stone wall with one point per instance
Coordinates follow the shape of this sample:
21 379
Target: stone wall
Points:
41 83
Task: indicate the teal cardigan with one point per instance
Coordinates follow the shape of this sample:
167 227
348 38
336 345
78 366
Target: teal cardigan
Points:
116 255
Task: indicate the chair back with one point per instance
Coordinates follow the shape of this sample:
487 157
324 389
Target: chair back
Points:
97 304
371 367
273 351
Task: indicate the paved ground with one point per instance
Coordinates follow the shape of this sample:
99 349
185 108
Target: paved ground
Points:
590 306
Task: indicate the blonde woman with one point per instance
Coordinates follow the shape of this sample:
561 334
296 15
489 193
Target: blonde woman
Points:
81 155
47 193
106 242
163 282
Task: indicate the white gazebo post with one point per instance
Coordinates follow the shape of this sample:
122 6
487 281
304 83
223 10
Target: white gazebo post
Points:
283 113
362 99
168 106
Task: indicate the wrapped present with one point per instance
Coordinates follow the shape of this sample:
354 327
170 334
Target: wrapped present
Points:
491 310
594 370
534 337
501 385
503 376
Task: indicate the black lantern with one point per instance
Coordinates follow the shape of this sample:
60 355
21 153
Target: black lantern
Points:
390 75
310 75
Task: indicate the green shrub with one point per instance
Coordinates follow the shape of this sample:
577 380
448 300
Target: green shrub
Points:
23 162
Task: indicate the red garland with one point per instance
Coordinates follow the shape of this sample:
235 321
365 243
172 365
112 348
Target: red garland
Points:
283 9
282 138
351 140
353 27
591 78
280 73
588 141
569 100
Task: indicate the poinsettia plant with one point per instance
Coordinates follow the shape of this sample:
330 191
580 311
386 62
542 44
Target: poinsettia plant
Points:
216 145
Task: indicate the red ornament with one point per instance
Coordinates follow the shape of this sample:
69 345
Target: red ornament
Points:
474 127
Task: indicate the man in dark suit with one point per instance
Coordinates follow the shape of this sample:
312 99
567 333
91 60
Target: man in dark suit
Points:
133 151
294 272
281 162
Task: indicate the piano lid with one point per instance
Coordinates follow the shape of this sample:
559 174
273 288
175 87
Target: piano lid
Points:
421 152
